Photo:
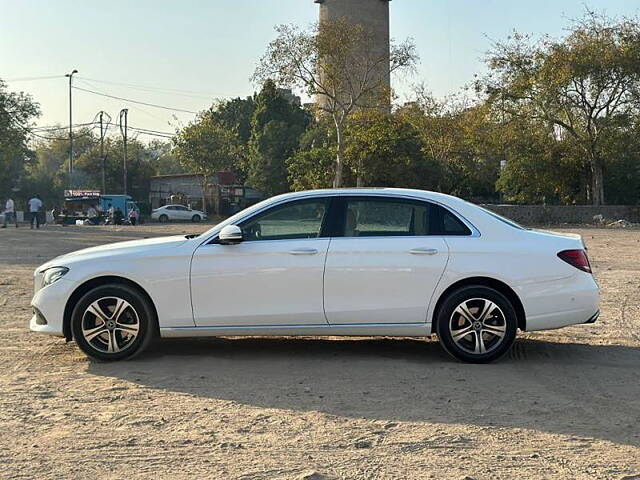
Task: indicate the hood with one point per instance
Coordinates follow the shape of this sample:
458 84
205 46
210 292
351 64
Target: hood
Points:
135 247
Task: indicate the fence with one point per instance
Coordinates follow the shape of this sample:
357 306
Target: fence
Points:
554 214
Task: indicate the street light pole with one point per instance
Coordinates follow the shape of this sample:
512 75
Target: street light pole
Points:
103 132
70 76
123 130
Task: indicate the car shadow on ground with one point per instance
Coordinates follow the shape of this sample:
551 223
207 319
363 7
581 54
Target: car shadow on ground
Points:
581 391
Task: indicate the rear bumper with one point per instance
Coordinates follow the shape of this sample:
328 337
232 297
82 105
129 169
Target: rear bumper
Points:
560 303
593 317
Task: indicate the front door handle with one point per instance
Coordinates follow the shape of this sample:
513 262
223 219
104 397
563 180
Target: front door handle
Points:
303 251
423 251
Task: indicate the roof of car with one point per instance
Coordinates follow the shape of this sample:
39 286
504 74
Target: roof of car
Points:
373 191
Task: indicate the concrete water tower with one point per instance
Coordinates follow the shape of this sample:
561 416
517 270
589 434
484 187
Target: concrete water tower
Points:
372 15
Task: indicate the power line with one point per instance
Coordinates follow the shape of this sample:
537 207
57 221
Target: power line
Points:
173 91
157 90
135 101
56 127
29 79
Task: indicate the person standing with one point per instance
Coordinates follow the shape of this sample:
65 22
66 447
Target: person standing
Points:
92 215
35 204
133 216
10 213
110 214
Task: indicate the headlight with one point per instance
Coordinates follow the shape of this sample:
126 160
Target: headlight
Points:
53 274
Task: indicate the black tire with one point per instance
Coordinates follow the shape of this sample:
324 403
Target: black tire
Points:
95 335
494 332
163 218
196 219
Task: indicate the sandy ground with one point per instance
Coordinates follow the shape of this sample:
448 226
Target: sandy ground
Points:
563 404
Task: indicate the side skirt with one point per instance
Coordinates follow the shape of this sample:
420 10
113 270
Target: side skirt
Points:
356 330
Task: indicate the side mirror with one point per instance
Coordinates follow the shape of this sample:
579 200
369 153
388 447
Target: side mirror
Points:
230 235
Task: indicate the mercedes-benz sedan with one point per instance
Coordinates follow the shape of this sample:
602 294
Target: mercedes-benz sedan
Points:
328 262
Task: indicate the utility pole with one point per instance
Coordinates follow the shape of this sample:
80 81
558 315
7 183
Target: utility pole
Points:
123 130
103 132
70 76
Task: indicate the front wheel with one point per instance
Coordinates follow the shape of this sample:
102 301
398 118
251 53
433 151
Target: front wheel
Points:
113 322
163 218
476 324
195 218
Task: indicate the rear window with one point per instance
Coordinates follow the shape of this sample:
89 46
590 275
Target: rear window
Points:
388 217
506 220
443 222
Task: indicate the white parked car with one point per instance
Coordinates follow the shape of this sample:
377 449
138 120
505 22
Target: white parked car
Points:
177 213
329 262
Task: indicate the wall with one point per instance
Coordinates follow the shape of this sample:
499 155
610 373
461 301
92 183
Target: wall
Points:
554 214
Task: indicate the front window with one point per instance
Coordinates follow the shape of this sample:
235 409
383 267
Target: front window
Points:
301 219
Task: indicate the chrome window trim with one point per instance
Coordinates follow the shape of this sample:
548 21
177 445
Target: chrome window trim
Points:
475 233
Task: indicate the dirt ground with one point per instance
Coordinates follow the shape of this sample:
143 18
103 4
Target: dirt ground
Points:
563 404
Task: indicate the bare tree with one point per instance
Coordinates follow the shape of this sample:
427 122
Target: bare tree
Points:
336 64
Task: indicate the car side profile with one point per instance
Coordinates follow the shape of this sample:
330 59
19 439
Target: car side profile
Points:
359 262
172 213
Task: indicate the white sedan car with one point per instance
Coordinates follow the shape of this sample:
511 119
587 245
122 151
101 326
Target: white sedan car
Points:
177 213
329 262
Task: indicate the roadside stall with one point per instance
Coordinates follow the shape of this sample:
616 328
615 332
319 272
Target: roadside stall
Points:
79 206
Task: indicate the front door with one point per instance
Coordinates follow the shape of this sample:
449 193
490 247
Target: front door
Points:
386 266
273 277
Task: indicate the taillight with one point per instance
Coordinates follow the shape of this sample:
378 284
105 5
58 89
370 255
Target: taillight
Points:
576 258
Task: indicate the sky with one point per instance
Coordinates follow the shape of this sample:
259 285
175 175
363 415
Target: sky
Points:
186 54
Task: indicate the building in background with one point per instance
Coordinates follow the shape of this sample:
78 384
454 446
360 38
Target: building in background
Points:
373 16
289 96
221 195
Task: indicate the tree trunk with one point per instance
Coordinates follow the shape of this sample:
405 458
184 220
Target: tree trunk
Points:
597 181
337 180
204 194
359 182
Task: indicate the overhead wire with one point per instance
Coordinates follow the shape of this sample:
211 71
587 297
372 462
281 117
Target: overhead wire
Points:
145 88
28 79
135 101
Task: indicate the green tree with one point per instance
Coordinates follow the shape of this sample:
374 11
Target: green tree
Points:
205 147
140 167
17 112
462 138
276 128
583 84
164 159
236 115
312 166
386 150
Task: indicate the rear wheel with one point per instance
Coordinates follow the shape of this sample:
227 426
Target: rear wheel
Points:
476 324
163 218
195 218
113 322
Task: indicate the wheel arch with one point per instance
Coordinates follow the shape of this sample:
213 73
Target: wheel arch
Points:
498 285
91 284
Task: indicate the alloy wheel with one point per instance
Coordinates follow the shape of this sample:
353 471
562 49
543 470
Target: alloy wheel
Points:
110 324
477 326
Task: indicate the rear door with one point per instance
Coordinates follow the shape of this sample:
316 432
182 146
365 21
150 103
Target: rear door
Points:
384 265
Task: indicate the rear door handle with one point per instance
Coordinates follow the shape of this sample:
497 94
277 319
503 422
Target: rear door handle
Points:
423 251
303 251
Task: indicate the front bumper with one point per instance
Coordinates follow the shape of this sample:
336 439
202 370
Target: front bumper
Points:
48 304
